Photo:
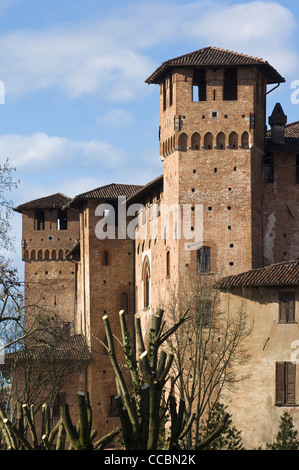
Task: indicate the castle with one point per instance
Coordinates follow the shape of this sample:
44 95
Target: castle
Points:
233 190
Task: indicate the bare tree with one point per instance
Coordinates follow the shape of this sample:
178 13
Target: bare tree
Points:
205 349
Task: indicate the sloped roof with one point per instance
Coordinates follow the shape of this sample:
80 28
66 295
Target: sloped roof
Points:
54 201
73 348
285 273
215 56
110 191
157 183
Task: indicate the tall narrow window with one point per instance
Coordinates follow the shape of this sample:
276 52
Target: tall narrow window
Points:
268 169
146 283
199 85
230 85
245 140
124 302
286 307
164 95
297 169
204 259
105 258
168 264
39 219
204 313
170 91
62 220
285 383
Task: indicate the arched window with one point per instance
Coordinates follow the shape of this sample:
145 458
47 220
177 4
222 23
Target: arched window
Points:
245 140
26 254
220 140
32 254
195 141
40 254
47 254
233 140
146 283
183 141
168 264
124 302
105 258
208 141
60 254
53 254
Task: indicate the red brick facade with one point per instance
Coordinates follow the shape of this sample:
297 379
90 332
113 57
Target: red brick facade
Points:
213 147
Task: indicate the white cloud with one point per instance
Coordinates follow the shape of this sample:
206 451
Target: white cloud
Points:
39 152
111 56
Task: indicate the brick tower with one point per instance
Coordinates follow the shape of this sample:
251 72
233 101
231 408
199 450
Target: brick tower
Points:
48 233
212 139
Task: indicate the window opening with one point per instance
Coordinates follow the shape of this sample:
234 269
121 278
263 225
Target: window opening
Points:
199 85
286 307
39 219
268 169
62 220
285 383
230 85
204 259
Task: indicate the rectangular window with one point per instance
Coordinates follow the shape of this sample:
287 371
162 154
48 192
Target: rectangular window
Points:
39 223
62 220
204 259
297 169
164 95
170 91
205 313
230 85
112 407
286 307
285 383
199 85
268 169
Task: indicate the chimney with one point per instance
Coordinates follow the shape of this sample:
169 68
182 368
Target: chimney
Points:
277 121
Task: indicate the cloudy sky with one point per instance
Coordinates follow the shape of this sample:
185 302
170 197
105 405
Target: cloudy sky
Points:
77 113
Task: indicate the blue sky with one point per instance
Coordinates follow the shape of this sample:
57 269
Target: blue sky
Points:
77 112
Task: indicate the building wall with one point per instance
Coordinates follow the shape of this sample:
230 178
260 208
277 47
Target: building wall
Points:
252 402
280 209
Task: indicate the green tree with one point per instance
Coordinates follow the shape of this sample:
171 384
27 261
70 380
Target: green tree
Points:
287 436
229 439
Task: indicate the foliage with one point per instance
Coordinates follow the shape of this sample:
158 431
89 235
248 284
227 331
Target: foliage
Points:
229 439
287 436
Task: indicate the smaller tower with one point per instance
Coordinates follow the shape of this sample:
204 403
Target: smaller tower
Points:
48 233
277 121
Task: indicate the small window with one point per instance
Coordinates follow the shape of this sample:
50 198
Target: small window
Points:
230 86
168 264
286 307
285 383
124 302
268 169
199 85
205 313
170 91
39 220
220 141
164 95
204 259
146 283
62 220
245 140
183 142
105 258
195 141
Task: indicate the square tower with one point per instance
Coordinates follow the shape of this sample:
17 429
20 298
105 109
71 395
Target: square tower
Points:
212 138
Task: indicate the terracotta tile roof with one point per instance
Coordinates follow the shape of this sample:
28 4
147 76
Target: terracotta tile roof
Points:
55 201
285 273
72 349
214 56
109 191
